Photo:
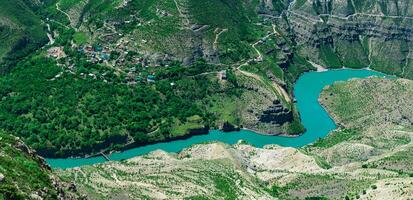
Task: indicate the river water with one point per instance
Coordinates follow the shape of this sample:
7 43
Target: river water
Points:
314 118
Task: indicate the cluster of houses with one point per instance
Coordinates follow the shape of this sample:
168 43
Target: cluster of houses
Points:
96 53
135 77
56 52
222 75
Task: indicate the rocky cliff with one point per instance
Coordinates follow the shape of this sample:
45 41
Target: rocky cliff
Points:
354 33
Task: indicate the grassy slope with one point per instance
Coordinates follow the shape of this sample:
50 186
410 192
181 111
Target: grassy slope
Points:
236 16
170 34
370 102
24 174
378 114
376 132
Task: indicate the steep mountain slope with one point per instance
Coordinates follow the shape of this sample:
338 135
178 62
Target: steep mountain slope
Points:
24 175
332 33
108 58
165 30
21 32
368 157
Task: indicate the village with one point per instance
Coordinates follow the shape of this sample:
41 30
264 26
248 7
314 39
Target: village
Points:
112 51
135 68
118 58
109 50
121 58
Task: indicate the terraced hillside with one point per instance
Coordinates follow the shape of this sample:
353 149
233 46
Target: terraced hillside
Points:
368 157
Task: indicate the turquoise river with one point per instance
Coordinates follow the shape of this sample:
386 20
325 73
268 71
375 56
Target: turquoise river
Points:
315 119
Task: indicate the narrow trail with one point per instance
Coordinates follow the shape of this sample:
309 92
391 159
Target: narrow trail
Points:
292 3
370 52
67 15
406 63
105 26
257 51
215 45
319 67
183 13
367 15
275 31
48 27
259 42
352 4
305 17
289 10
278 89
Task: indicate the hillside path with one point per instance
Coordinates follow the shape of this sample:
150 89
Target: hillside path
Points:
67 15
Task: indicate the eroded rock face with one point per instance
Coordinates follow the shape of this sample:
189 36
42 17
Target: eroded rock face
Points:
272 7
363 34
32 153
277 114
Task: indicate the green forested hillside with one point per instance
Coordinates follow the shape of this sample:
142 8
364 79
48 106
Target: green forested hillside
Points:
21 32
75 103
72 115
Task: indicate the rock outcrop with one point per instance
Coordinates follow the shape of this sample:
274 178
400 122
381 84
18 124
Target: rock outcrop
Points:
277 114
367 34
